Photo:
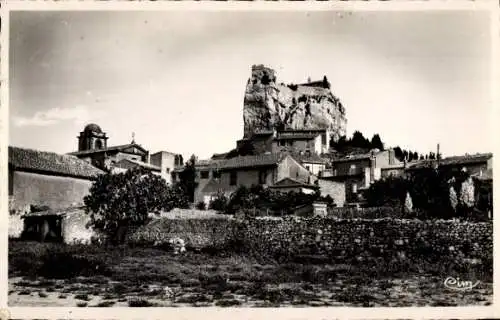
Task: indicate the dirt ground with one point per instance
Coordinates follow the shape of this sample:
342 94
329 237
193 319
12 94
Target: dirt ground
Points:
148 277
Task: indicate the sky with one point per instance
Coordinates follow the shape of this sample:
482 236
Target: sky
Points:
177 80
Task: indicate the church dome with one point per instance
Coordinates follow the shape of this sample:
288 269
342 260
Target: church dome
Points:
92 128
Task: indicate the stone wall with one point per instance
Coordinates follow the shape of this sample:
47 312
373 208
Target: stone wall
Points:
372 241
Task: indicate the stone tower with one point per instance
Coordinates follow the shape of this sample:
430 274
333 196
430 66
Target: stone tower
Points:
92 138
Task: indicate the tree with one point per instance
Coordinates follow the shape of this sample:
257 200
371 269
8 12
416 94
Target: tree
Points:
377 142
453 198
119 201
467 199
408 204
188 178
359 141
398 153
219 203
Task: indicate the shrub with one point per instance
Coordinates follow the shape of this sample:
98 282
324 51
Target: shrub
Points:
219 203
201 205
139 302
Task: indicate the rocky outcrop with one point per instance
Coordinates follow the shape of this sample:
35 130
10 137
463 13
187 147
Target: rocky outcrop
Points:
268 105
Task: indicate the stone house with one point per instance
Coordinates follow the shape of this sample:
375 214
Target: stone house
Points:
351 174
166 162
474 164
48 179
126 164
312 162
227 175
45 179
68 226
304 141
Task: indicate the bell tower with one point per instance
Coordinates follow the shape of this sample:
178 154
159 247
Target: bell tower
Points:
92 138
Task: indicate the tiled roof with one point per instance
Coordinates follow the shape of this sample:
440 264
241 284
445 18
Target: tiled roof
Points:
289 182
62 212
312 158
140 164
353 157
50 162
467 159
113 148
241 162
295 136
450 161
248 161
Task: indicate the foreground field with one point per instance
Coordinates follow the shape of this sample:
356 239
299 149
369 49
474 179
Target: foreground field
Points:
117 277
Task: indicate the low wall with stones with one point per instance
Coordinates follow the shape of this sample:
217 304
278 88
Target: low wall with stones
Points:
374 241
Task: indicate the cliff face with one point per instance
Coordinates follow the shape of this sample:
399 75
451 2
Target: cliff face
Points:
269 105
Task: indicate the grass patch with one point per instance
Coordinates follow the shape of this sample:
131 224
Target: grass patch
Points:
42 295
228 303
84 297
105 304
138 303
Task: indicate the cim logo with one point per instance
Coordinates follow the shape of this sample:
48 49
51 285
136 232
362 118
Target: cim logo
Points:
457 284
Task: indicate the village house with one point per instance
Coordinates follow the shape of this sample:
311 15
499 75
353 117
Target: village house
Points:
48 179
282 172
478 165
44 181
93 148
351 174
299 141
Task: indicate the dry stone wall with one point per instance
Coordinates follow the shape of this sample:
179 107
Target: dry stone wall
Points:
372 241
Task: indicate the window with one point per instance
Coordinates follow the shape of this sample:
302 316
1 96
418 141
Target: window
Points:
168 170
262 177
308 168
352 169
98 144
204 174
233 178
354 188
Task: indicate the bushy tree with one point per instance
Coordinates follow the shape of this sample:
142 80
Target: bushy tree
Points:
201 205
453 198
377 142
219 203
408 204
467 199
188 178
118 201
